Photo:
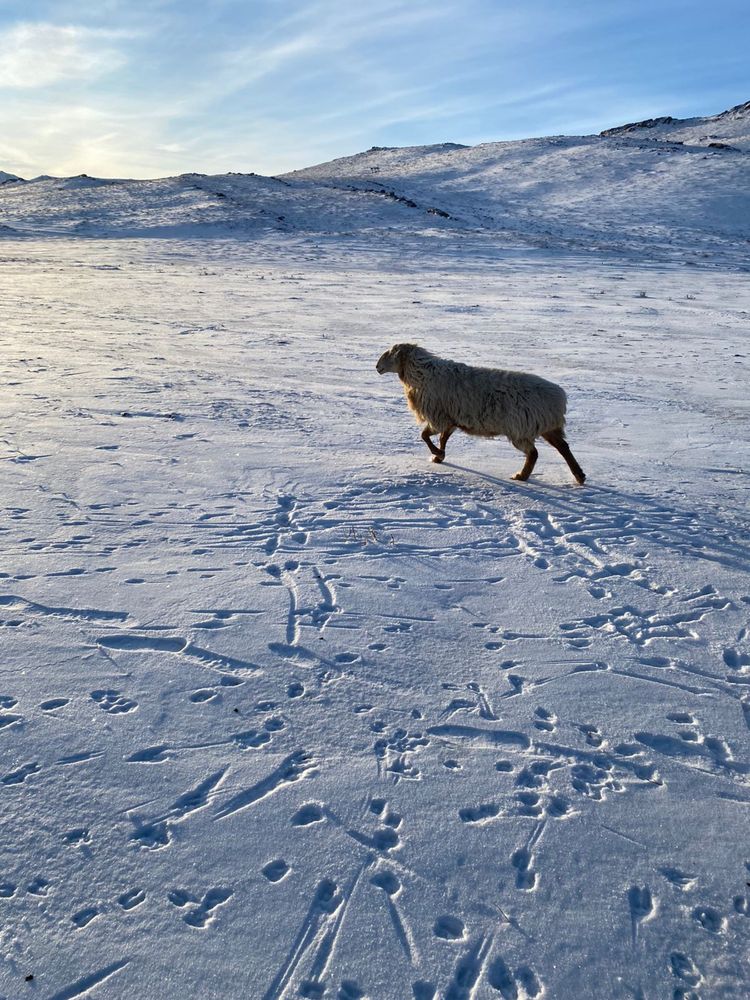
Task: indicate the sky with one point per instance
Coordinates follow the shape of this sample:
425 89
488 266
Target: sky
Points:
148 88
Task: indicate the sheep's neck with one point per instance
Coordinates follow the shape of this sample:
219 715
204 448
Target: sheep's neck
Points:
413 380
411 377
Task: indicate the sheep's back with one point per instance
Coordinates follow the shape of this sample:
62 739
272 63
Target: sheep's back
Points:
490 401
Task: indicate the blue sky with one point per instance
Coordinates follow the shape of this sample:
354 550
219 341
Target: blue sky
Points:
144 88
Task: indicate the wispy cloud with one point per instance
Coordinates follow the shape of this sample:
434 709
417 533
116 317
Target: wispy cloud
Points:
35 55
149 87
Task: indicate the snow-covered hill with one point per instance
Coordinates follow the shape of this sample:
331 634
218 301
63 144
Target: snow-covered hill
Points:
729 129
664 188
190 205
679 187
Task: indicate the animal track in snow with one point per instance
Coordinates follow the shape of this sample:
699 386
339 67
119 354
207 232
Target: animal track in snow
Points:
199 910
384 839
594 780
203 695
156 832
642 908
558 807
391 886
276 870
395 751
519 986
536 800
578 537
320 930
479 814
449 928
38 886
79 837
592 735
642 627
693 749
468 970
478 702
500 978
113 702
53 704
682 718
85 916
679 878
130 642
296 766
529 804
19 776
710 919
545 720
398 627
132 898
308 814
252 739
522 861
685 970
737 659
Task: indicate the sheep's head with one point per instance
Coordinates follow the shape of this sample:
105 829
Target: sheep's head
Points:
394 359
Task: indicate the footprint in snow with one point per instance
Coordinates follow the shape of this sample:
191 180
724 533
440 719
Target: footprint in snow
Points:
449 928
113 702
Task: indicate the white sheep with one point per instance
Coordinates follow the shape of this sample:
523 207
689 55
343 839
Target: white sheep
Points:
448 395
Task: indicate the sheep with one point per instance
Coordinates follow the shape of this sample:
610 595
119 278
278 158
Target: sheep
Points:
447 395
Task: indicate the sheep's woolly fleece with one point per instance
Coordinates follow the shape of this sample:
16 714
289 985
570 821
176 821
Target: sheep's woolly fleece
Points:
484 401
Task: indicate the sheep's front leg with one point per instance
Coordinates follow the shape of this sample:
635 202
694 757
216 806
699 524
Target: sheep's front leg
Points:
528 466
427 434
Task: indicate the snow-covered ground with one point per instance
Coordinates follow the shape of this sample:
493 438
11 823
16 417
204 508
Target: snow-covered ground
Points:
285 709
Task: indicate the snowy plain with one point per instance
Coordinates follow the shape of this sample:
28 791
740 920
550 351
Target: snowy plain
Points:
285 709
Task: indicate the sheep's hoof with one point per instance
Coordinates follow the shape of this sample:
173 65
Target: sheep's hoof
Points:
520 477
581 479
438 458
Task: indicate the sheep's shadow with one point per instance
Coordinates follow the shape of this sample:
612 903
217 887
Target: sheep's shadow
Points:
619 516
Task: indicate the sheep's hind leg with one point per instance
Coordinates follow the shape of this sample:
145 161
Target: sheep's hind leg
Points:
528 465
428 433
443 441
557 439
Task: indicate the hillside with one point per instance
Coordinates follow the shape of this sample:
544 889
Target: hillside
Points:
670 189
660 189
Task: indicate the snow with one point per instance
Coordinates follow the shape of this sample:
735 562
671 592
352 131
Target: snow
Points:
661 193
287 710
